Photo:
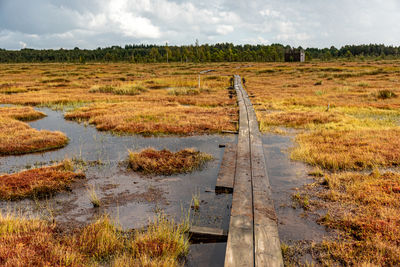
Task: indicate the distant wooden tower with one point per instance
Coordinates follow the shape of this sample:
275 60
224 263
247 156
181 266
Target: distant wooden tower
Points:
295 55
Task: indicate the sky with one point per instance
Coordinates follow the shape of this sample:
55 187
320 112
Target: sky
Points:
89 24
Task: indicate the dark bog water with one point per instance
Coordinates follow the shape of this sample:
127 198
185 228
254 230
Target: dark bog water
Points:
285 176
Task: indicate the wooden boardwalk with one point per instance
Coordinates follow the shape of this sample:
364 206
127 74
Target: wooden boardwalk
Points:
253 238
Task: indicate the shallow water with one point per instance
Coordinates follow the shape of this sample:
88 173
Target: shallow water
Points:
131 198
285 176
134 199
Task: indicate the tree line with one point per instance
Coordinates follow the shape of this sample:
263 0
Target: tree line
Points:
223 52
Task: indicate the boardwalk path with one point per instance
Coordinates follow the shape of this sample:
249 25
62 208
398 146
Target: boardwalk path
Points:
253 238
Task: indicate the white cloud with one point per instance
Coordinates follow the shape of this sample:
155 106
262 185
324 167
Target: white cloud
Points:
129 23
22 44
224 29
270 13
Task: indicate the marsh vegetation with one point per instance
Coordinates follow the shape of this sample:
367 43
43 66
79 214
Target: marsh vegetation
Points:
344 116
348 130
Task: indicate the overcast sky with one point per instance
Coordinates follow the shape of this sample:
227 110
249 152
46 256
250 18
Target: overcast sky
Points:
100 23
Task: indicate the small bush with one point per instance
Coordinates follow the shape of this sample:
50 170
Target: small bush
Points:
129 89
386 94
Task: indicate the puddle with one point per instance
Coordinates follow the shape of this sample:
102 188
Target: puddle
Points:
285 176
131 198
207 255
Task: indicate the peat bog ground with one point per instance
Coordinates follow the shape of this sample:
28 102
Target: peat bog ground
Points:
331 144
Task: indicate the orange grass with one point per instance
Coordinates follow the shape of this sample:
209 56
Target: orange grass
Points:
143 118
157 90
349 149
293 85
17 137
37 182
348 113
299 119
21 113
165 162
364 209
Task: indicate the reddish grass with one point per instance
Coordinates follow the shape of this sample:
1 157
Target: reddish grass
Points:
37 182
165 162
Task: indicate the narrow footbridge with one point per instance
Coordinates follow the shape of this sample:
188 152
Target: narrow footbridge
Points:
253 238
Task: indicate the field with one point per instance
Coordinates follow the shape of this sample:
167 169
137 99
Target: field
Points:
123 126
345 118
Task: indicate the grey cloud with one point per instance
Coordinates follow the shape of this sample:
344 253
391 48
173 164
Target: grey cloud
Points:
91 23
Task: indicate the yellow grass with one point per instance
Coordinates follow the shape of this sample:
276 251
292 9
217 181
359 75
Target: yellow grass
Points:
352 149
35 242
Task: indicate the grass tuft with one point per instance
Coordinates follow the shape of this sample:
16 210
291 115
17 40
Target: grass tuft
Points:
163 241
94 199
101 240
164 162
38 182
126 89
21 113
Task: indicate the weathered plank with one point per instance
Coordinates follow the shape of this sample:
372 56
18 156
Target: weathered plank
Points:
240 245
267 249
253 222
226 175
207 234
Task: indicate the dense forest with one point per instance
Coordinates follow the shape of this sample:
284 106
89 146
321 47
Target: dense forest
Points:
196 53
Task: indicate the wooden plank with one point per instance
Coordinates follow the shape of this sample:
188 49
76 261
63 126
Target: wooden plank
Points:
240 245
206 234
228 132
226 175
267 249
